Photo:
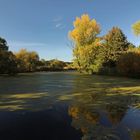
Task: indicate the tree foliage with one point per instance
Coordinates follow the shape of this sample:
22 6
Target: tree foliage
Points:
3 44
136 28
52 65
86 42
115 43
92 53
27 60
85 30
56 64
8 63
129 63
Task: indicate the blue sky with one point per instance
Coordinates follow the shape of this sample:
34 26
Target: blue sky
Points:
43 25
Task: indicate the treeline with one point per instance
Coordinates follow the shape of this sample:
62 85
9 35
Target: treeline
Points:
54 65
110 54
27 61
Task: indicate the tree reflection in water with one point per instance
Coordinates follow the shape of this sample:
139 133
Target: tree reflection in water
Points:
101 118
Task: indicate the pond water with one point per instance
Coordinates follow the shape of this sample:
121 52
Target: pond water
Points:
69 106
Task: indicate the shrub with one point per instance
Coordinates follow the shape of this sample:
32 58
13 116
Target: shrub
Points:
129 63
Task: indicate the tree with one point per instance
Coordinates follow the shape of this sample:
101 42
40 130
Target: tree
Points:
115 43
27 61
86 42
3 44
8 63
136 28
85 30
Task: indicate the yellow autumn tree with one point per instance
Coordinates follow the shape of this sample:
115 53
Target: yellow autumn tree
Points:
85 30
27 60
136 28
86 42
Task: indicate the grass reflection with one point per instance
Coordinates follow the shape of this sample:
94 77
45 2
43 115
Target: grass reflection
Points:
24 96
16 102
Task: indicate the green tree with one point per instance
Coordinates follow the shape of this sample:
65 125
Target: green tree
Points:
136 28
8 63
3 44
115 44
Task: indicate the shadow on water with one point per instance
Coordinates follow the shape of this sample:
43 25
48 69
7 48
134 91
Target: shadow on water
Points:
60 106
49 124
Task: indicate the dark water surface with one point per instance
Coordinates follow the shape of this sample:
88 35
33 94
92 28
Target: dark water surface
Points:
69 106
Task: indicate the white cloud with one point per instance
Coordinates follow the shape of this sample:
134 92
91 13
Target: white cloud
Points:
58 25
58 22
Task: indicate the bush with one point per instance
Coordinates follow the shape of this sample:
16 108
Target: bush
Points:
129 63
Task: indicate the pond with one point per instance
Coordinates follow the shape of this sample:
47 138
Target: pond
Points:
69 106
